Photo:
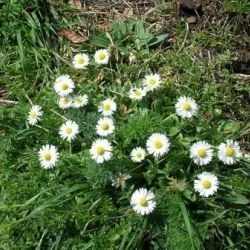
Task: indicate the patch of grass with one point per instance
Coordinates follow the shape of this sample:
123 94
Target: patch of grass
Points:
74 205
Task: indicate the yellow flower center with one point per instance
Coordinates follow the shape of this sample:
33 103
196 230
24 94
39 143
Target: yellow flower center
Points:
187 106
139 155
230 151
158 144
137 93
33 114
106 106
101 56
105 126
78 100
81 60
100 150
65 86
206 184
65 101
152 81
202 152
143 202
47 156
68 130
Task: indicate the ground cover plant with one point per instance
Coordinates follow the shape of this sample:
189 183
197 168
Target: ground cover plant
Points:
136 138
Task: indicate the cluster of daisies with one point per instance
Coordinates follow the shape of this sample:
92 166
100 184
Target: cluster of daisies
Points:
157 145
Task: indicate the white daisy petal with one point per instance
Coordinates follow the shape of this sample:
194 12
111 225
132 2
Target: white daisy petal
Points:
105 126
152 81
201 153
69 130
107 107
229 152
186 107
48 156
158 144
80 61
35 114
101 150
102 56
64 85
142 201
138 154
206 185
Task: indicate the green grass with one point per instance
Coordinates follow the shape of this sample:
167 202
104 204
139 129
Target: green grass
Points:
74 206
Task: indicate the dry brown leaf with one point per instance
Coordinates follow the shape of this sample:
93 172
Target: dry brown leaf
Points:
72 36
124 110
128 12
75 4
103 26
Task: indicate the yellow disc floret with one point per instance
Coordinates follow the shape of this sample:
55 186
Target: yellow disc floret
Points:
206 184
143 202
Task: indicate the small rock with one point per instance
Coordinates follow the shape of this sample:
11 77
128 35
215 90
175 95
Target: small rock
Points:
190 4
192 19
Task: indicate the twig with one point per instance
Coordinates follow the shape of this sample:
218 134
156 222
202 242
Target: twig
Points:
8 101
185 38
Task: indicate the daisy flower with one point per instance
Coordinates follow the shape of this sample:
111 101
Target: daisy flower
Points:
229 152
137 93
80 61
143 201
201 152
102 56
120 180
107 107
65 102
186 107
158 144
69 130
207 184
80 101
48 156
101 150
152 81
35 114
105 126
64 85
138 154
132 58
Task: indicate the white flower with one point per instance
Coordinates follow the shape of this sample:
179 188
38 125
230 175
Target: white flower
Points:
48 156
229 152
107 107
69 130
152 81
120 180
35 114
102 56
201 152
105 126
80 61
158 144
132 58
186 107
64 85
138 154
80 101
65 102
143 201
137 93
207 184
101 150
